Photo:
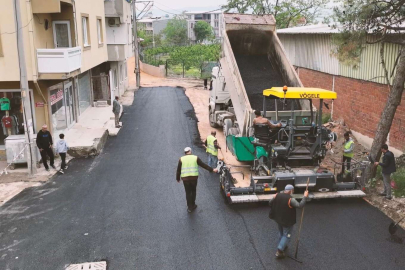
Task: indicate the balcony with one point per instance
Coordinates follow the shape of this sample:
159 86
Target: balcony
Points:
60 60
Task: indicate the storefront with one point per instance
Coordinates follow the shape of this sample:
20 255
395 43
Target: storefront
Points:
84 89
61 100
11 113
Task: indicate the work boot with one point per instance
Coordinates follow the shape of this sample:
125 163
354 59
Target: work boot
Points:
382 194
47 169
280 254
388 198
53 166
194 207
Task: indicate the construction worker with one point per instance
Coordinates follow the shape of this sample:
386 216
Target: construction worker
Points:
283 211
348 151
388 167
187 170
259 119
212 147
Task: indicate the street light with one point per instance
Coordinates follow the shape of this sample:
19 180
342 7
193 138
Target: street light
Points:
153 30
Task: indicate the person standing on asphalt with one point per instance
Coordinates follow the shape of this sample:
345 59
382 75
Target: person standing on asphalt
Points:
283 211
211 143
61 149
116 111
388 167
44 143
348 151
187 170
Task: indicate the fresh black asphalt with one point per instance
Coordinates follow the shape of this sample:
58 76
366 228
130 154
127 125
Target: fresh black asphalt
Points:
126 207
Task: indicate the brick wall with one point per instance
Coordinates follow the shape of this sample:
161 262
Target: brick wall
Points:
359 103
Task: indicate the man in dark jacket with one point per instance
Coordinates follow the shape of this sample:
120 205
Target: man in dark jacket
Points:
187 170
44 143
388 167
283 211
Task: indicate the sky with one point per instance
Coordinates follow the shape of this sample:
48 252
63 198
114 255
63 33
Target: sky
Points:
171 7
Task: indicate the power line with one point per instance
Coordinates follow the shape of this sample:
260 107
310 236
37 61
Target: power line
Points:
168 7
166 11
9 33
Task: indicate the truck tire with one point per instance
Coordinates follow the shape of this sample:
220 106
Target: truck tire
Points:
212 124
227 125
233 131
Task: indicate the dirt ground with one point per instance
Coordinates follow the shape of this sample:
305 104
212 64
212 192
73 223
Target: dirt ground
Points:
199 98
394 208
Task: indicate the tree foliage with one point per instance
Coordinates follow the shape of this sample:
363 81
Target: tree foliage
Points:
176 31
191 56
364 22
148 39
203 31
287 13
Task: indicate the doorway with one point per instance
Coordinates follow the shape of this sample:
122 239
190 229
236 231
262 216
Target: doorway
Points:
70 116
61 34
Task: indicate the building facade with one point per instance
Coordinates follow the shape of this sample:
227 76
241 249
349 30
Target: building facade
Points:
214 18
153 25
66 54
362 90
118 24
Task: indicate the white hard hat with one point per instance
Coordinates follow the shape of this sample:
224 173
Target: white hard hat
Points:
187 149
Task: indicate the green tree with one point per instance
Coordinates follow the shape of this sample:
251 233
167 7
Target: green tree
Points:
287 13
203 31
373 21
176 31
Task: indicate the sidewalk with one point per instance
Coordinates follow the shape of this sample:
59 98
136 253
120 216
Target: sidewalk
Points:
85 138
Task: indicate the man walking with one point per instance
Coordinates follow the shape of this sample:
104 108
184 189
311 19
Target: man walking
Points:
388 167
44 143
283 211
212 146
348 152
187 170
116 111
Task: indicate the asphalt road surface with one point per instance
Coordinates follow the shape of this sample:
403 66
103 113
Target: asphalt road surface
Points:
126 207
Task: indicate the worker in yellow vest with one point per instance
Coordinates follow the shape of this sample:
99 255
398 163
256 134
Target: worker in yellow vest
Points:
187 170
212 146
348 151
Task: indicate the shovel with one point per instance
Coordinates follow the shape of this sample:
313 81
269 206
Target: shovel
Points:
393 226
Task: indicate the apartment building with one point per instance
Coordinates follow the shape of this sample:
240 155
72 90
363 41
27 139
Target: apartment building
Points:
67 53
214 18
118 24
153 25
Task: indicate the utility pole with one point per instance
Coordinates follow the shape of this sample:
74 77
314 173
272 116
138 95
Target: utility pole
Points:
136 44
25 95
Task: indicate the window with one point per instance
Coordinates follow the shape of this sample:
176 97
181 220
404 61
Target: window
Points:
192 25
216 16
99 31
86 30
61 34
115 79
198 17
216 24
121 74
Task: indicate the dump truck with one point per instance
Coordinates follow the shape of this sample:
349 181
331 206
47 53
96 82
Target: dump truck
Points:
255 74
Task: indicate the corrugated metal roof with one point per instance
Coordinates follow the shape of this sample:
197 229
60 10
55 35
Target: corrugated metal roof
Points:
249 19
309 29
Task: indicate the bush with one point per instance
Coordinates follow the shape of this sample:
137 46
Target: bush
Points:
325 118
399 179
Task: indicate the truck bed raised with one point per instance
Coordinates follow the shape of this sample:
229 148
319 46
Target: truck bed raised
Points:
258 73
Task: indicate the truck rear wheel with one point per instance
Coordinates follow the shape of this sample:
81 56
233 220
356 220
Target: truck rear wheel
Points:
227 125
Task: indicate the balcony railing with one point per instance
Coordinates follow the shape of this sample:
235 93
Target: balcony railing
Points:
60 60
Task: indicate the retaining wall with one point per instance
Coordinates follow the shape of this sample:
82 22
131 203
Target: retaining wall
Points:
152 70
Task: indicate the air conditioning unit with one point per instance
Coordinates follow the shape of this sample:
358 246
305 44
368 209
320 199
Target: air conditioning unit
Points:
113 21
